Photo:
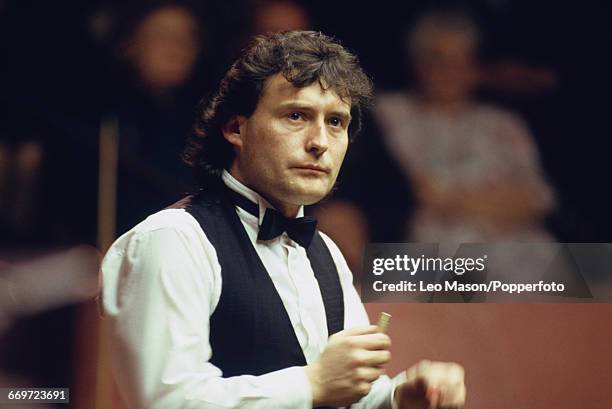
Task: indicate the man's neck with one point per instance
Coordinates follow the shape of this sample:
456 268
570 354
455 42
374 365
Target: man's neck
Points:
289 211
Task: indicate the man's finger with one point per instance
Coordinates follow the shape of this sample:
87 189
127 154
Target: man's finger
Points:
452 396
370 329
372 342
368 373
433 397
435 373
444 382
373 358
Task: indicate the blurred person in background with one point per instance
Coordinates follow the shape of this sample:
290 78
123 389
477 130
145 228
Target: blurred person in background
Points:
469 171
474 167
154 89
162 47
276 16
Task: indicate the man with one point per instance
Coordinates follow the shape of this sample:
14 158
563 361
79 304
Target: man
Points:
231 298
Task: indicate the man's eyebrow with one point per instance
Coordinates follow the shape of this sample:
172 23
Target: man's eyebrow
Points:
346 115
295 105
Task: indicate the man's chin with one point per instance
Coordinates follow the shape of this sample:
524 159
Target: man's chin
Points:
306 197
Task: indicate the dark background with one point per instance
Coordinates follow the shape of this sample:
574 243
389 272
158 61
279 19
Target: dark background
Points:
57 82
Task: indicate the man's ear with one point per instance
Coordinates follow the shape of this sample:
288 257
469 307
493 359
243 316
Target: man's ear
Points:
234 130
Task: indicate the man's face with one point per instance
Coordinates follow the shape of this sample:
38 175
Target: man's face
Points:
291 148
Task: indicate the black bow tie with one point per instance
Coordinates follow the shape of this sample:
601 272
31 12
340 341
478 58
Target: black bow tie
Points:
301 229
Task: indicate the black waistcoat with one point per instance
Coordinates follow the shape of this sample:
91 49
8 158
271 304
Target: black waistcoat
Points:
250 330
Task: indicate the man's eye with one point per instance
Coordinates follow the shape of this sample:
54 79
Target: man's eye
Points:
296 116
335 121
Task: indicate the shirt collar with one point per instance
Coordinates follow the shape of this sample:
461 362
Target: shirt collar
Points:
238 187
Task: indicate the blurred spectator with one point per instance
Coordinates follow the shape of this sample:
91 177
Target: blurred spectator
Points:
473 168
157 52
162 46
279 15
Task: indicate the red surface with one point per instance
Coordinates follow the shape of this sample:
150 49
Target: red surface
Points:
530 356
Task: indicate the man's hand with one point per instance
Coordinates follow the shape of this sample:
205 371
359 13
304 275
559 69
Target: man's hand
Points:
352 360
431 385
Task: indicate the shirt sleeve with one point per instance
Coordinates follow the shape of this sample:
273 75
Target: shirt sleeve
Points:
160 286
355 315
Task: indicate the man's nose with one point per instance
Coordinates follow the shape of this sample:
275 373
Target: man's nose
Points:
318 140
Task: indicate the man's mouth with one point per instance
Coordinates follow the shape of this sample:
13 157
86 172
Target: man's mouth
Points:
314 168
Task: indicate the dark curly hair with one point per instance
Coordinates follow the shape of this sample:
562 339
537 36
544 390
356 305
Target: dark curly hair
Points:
302 57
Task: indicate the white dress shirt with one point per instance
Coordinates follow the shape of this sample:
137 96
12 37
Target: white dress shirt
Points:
162 282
